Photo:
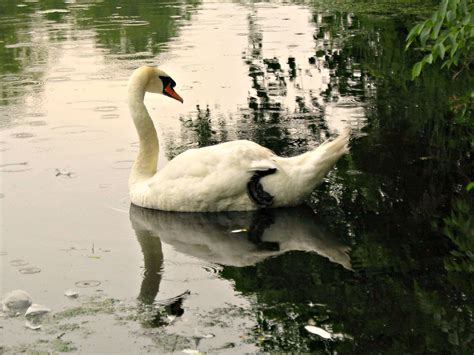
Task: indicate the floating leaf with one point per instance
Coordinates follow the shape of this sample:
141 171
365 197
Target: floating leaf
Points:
238 231
318 331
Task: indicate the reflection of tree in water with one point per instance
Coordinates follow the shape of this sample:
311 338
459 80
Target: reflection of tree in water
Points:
267 120
20 48
409 289
136 27
29 33
198 129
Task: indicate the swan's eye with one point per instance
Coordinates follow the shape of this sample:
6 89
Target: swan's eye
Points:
167 81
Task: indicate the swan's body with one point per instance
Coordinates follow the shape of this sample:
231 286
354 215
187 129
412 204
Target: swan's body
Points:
234 176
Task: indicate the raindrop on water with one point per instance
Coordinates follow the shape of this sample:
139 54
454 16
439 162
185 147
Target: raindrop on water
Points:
30 270
105 108
14 167
87 283
22 135
110 116
18 262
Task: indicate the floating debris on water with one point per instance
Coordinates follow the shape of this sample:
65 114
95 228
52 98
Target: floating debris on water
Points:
191 351
16 301
318 331
71 293
207 336
30 270
87 283
54 11
239 231
64 173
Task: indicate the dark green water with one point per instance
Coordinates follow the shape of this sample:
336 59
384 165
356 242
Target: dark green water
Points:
398 199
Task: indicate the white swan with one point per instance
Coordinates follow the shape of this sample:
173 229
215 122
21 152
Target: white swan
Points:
233 176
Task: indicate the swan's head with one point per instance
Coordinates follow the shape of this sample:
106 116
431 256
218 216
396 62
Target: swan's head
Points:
158 82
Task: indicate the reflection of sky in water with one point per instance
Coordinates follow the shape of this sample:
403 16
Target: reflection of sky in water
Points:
283 75
68 142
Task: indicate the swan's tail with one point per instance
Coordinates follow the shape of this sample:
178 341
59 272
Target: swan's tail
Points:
327 154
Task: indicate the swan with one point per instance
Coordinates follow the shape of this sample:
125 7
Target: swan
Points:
235 176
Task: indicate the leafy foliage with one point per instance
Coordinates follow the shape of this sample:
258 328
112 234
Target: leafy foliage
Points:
447 35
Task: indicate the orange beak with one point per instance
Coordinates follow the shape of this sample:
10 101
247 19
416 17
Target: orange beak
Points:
171 93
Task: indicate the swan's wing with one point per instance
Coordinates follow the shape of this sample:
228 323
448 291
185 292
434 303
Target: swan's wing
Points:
236 157
262 165
223 175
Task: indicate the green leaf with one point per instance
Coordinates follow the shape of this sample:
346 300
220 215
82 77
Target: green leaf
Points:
436 29
415 72
466 20
452 37
454 48
442 9
451 15
439 50
428 58
456 58
470 186
442 50
415 31
424 35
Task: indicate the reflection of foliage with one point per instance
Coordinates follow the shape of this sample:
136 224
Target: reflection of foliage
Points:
447 35
201 126
459 228
383 198
135 26
199 130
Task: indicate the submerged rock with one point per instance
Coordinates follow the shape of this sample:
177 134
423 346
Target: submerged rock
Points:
16 301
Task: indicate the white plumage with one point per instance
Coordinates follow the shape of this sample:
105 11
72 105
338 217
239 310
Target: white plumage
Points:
217 178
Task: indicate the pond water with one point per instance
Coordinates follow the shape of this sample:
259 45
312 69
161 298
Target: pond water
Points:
365 260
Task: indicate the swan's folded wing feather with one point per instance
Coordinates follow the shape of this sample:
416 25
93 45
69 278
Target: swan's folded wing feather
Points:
262 165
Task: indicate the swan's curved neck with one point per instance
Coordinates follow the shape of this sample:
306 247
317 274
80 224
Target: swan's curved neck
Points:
146 162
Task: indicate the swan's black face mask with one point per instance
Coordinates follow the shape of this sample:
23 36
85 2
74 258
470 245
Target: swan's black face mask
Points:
168 88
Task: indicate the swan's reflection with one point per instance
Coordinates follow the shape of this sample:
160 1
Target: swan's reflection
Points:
226 238
231 238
